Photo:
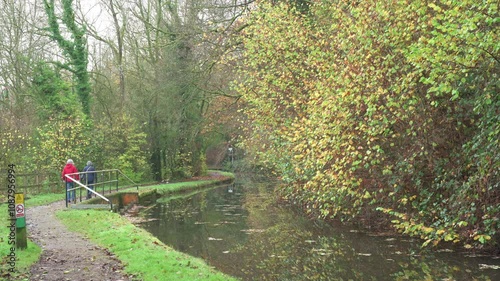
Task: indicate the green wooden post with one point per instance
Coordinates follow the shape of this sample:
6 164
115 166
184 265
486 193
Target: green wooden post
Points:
21 237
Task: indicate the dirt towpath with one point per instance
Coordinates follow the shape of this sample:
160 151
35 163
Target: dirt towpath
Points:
67 255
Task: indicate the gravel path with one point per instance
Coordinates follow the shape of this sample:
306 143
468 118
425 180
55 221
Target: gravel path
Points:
67 255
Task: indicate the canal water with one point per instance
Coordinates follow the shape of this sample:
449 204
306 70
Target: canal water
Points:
240 230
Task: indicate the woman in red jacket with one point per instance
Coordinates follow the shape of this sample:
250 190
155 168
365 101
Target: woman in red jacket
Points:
70 169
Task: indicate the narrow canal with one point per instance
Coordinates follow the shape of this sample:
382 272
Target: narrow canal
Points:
240 230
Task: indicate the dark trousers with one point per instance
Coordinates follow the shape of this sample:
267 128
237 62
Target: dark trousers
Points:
90 185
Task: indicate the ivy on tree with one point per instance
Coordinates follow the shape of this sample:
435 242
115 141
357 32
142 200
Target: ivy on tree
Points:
73 49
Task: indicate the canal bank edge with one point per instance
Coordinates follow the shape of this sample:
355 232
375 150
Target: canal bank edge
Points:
145 195
214 178
151 259
144 256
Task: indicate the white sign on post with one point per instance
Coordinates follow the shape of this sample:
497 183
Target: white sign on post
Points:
19 210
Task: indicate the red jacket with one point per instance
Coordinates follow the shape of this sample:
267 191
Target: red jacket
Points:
69 169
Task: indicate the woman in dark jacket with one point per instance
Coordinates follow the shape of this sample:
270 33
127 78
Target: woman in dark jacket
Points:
89 178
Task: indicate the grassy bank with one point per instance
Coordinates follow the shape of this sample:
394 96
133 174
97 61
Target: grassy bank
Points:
143 255
44 199
164 189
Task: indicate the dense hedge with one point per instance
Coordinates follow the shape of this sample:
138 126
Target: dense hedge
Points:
381 108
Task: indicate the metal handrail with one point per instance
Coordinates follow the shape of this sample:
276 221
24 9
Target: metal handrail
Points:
130 180
110 170
84 186
97 183
137 186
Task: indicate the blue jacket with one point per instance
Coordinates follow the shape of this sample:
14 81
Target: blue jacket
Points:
90 177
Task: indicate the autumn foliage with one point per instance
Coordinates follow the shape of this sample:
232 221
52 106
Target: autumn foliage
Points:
386 111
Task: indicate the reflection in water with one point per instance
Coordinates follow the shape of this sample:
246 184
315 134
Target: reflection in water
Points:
241 231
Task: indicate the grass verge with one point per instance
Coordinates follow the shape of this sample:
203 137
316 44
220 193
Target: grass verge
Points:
218 177
143 255
44 199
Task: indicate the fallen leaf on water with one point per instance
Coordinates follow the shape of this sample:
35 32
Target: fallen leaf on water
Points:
253 230
445 251
488 266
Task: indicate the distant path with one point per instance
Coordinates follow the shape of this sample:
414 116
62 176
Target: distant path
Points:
67 255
